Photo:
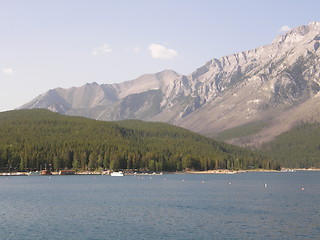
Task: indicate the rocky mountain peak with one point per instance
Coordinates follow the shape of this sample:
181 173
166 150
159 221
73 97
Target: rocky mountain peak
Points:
299 34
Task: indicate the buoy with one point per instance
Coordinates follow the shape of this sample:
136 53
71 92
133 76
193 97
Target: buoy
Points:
302 189
265 185
229 182
202 181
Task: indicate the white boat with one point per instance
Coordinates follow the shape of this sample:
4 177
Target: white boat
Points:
37 173
117 174
288 170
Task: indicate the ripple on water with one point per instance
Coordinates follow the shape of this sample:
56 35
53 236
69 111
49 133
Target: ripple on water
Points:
83 207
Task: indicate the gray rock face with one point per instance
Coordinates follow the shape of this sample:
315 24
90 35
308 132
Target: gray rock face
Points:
277 84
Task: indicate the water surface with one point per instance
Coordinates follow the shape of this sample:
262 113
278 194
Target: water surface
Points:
173 206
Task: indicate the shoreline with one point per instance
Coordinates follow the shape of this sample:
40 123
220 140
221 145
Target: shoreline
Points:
216 171
225 171
300 169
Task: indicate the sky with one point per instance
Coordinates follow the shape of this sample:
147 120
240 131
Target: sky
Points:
45 44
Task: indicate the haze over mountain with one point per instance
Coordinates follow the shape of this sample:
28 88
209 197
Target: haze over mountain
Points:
267 90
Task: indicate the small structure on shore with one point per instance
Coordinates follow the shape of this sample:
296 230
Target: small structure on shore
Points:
46 172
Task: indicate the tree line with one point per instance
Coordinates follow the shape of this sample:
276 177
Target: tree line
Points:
297 148
37 139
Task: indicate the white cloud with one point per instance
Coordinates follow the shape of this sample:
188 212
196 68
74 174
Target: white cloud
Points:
103 50
7 71
161 52
136 49
284 29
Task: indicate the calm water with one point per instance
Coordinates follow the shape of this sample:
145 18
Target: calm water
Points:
200 206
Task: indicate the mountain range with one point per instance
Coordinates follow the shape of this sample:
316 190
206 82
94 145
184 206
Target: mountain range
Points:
246 98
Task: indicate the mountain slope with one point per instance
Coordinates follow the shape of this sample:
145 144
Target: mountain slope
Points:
276 84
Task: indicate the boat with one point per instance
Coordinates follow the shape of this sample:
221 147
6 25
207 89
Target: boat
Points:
36 173
288 170
67 172
117 174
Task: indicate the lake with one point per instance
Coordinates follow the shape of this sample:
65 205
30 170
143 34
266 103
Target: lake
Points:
171 206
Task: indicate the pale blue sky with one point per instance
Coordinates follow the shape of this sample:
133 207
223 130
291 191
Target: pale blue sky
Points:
46 44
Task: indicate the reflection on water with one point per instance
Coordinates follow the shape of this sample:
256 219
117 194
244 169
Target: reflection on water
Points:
240 206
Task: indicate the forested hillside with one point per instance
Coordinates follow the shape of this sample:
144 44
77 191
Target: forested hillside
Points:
32 139
297 148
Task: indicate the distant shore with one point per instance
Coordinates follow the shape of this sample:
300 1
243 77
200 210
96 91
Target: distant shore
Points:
302 169
225 171
216 171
